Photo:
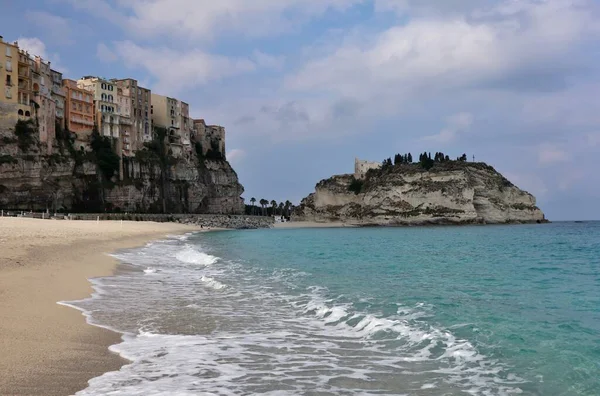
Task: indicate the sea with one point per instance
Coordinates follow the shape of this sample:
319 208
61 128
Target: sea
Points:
472 310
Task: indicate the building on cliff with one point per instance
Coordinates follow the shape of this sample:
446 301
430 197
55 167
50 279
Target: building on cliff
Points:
112 112
45 106
79 112
58 96
362 167
9 76
209 137
140 100
173 115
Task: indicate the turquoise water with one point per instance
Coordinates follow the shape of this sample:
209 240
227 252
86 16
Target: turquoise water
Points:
493 310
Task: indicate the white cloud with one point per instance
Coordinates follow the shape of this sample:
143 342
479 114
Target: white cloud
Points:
176 71
435 53
193 19
268 61
529 182
57 28
593 139
36 47
455 124
105 54
549 154
235 156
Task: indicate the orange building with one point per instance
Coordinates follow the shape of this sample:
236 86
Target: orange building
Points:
79 110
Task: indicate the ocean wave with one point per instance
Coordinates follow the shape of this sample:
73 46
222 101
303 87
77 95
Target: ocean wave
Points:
189 255
210 282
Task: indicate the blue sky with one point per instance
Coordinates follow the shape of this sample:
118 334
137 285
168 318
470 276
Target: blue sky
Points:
304 86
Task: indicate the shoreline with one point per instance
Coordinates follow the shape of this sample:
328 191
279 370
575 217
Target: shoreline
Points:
49 347
290 225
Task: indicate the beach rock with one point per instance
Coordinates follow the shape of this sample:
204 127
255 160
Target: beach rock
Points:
452 192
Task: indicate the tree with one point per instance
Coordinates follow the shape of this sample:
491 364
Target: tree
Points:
253 201
397 159
281 206
288 206
410 158
274 206
263 204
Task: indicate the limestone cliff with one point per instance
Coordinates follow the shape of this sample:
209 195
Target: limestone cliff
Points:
68 180
449 193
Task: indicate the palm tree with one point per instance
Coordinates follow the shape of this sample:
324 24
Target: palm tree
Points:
253 201
281 206
274 206
263 204
288 206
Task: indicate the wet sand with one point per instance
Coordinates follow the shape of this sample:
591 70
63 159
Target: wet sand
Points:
49 349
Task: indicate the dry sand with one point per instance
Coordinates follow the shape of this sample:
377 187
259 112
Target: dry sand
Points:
45 348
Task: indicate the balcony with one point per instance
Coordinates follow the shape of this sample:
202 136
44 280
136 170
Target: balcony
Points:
24 74
125 121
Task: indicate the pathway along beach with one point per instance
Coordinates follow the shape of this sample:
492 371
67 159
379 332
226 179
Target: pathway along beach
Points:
49 349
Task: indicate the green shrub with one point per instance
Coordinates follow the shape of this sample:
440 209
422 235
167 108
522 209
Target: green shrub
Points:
8 159
356 186
26 132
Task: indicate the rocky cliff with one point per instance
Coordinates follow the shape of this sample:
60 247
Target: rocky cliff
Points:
70 180
452 192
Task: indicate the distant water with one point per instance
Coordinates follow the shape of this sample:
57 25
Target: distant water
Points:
496 310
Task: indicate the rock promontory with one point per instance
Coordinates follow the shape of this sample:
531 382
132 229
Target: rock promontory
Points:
452 192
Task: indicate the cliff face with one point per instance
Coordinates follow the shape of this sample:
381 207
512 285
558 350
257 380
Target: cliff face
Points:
33 180
449 193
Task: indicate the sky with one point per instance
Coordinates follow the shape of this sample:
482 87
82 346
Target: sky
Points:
305 86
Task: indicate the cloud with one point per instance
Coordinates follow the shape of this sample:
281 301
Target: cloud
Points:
36 47
235 156
56 28
548 155
189 20
267 61
432 54
176 71
593 139
455 124
529 182
105 54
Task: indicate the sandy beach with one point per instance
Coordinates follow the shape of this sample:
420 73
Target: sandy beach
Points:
49 349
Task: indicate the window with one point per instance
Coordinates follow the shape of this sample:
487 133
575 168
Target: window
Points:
27 113
103 97
172 122
87 109
74 94
80 107
20 112
8 51
73 106
8 80
102 108
151 111
110 98
103 86
110 87
8 66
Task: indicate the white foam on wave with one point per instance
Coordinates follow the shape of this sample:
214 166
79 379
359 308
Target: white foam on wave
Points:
150 270
189 255
210 282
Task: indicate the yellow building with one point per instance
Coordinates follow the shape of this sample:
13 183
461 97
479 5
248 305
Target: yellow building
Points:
9 77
